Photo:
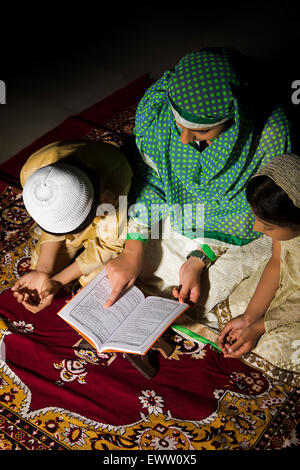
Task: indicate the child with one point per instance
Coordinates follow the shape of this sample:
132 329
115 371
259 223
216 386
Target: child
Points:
266 306
66 186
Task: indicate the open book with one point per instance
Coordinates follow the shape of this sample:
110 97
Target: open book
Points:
132 324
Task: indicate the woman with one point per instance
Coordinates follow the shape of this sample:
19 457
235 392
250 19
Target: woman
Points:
201 139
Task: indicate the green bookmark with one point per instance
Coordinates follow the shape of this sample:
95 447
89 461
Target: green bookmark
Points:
195 336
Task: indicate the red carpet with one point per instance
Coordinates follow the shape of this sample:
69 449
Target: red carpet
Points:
52 397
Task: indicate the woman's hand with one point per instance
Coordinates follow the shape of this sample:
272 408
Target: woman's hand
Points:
35 290
189 281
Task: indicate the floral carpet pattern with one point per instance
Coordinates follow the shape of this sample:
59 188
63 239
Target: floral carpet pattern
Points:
55 395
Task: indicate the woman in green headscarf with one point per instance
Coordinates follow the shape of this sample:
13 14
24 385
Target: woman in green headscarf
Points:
201 139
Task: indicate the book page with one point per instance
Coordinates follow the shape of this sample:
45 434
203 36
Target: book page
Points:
86 311
147 323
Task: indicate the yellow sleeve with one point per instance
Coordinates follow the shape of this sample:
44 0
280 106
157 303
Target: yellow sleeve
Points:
106 160
104 246
108 240
49 154
115 175
110 164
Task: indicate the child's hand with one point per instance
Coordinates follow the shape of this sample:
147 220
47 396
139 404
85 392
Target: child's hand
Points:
51 287
246 341
35 290
189 281
31 282
232 331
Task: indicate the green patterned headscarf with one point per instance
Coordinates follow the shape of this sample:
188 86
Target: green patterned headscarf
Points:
205 89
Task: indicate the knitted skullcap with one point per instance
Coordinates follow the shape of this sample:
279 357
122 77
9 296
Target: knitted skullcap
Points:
284 170
58 197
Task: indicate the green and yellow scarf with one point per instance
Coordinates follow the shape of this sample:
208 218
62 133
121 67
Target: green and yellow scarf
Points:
204 89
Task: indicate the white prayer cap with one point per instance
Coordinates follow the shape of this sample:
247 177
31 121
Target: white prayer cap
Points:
58 197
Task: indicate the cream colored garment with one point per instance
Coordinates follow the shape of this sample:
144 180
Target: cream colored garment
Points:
101 241
281 343
164 258
284 171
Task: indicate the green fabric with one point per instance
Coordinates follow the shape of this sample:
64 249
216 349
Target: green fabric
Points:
209 252
204 85
199 119
136 236
194 336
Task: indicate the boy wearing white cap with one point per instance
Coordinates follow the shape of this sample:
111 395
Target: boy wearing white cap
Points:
71 189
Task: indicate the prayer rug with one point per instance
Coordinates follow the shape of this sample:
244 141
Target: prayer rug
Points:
56 396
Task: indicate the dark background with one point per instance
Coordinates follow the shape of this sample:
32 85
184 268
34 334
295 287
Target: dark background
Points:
58 59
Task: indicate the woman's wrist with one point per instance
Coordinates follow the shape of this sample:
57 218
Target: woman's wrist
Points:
201 257
134 249
196 262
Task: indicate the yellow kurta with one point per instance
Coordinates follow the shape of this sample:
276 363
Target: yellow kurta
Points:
101 240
